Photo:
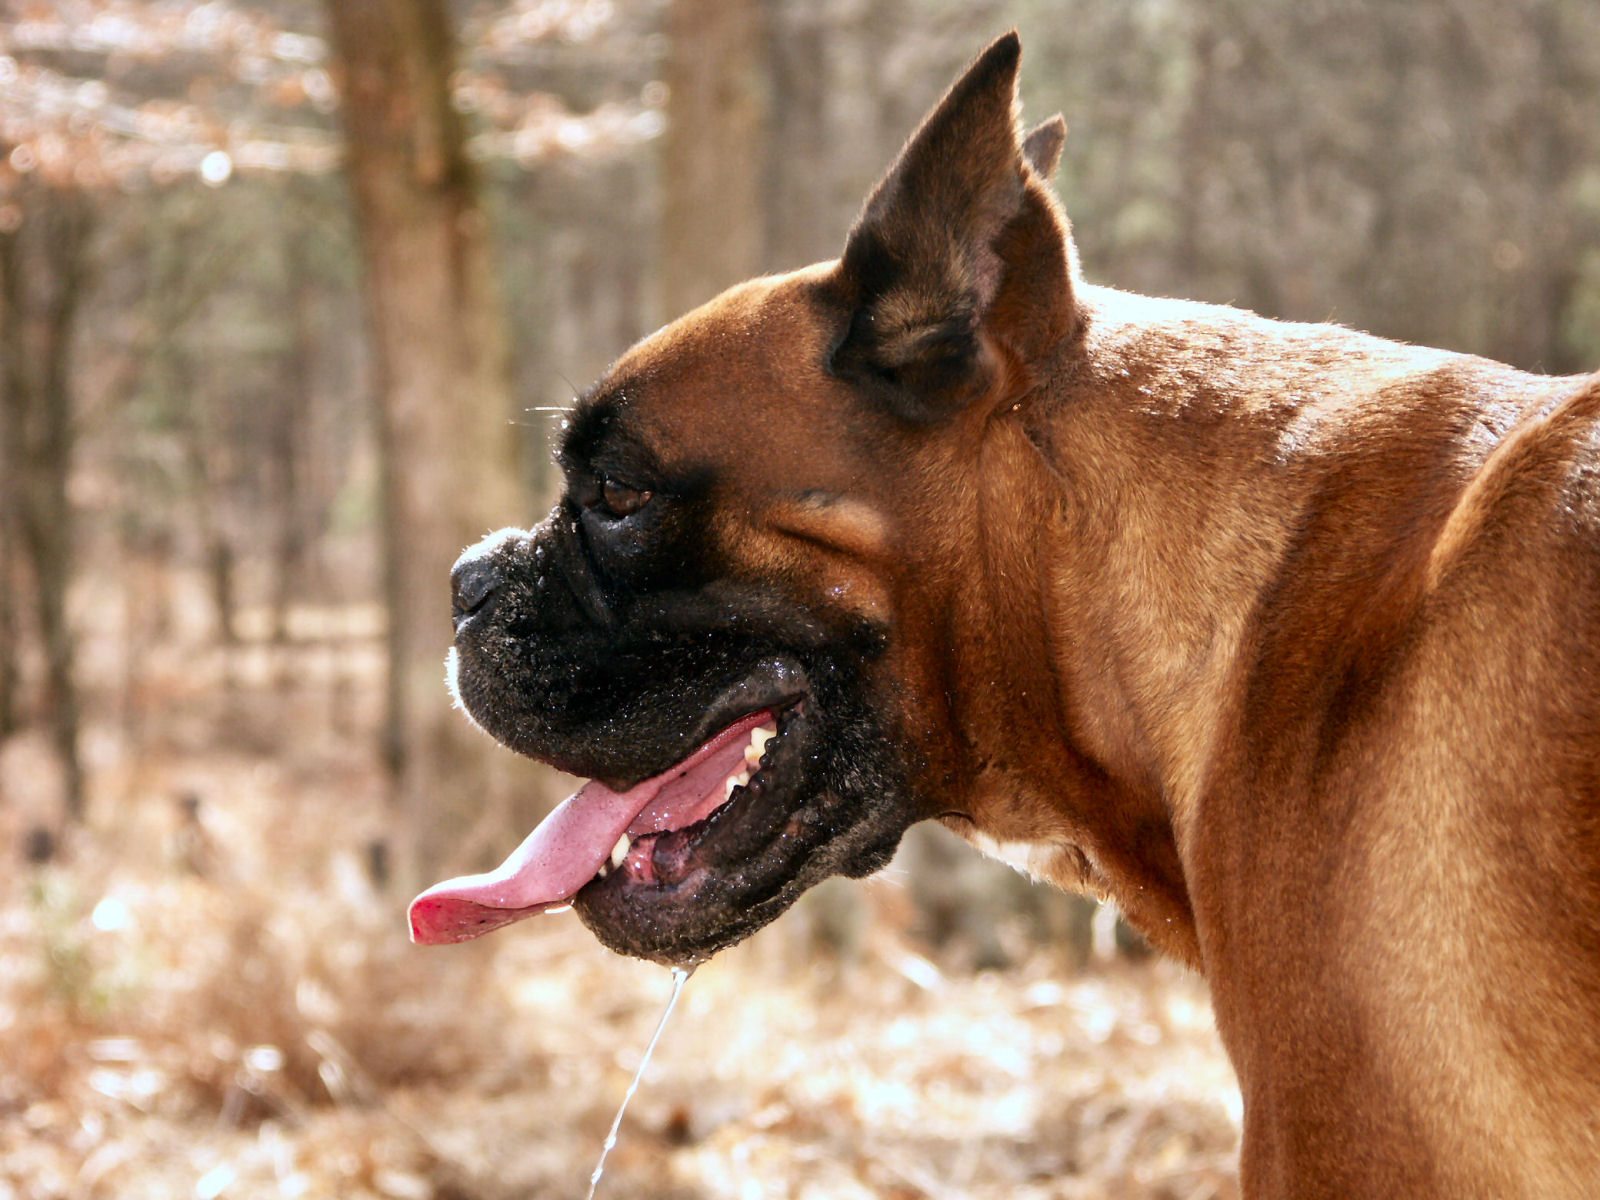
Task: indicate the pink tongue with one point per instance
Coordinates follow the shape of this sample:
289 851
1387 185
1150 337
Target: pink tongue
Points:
575 840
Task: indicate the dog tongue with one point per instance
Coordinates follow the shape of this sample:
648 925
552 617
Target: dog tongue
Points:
553 862
575 840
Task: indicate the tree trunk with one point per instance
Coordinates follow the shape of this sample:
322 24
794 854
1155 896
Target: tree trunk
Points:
290 419
10 583
714 152
41 281
804 223
441 386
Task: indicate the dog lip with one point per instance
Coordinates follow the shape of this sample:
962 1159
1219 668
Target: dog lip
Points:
775 685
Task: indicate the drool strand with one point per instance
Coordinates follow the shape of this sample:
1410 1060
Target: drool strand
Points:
680 976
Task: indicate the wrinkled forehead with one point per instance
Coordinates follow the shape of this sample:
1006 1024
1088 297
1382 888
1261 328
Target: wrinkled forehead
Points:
742 375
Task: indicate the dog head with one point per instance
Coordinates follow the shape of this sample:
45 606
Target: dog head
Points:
737 620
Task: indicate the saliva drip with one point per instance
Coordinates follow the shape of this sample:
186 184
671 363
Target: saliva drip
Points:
680 976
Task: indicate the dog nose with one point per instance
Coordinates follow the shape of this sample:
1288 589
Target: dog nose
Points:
473 583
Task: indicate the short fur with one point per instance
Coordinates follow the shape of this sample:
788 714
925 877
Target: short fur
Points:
1285 637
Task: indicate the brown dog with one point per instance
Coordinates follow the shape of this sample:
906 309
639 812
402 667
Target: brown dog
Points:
1284 637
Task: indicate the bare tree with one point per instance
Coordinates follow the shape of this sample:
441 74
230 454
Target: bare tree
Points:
714 153
8 611
440 366
42 264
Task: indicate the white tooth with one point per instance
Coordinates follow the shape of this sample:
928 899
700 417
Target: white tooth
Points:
605 869
728 785
620 850
758 743
742 778
560 908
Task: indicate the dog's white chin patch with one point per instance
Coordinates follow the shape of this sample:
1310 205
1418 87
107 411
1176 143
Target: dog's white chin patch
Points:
1060 863
1028 857
589 833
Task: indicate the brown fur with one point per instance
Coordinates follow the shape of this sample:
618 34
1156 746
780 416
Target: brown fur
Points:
1284 637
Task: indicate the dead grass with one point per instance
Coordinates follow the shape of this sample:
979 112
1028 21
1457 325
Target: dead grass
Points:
227 1008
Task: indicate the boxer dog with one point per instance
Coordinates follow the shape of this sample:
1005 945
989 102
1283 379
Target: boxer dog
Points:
1283 637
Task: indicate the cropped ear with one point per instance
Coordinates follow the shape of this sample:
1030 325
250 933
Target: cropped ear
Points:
960 254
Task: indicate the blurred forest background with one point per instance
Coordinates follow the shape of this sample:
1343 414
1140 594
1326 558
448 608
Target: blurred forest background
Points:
291 296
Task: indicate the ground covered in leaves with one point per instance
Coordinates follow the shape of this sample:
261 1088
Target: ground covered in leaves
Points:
205 996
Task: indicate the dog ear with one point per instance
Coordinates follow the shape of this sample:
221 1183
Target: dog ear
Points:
1042 147
960 251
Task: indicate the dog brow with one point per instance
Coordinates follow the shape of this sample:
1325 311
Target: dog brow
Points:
601 439
593 415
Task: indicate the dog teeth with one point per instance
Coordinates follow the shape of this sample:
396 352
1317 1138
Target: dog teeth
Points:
620 850
758 744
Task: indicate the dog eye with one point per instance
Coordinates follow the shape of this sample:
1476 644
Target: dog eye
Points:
621 501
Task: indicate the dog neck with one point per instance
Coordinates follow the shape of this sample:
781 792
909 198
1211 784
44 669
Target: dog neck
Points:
1187 448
